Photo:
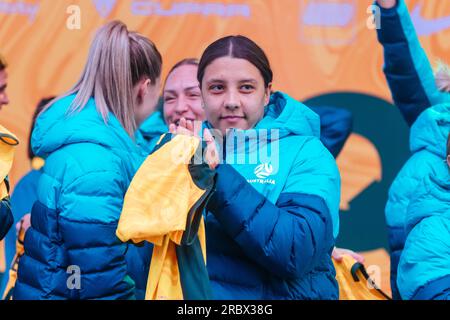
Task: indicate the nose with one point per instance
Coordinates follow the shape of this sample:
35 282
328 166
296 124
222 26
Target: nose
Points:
182 105
232 100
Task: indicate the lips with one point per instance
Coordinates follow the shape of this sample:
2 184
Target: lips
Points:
232 117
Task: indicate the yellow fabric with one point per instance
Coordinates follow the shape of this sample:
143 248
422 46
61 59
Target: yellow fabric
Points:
6 159
349 289
155 209
13 271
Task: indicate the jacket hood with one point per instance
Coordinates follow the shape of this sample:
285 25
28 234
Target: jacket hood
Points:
290 117
56 128
431 129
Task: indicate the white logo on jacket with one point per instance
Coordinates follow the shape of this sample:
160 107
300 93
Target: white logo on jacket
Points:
262 172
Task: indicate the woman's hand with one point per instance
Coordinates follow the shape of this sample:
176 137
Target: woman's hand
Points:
24 224
211 155
185 127
339 253
189 128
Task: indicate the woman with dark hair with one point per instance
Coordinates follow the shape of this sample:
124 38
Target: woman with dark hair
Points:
182 99
272 221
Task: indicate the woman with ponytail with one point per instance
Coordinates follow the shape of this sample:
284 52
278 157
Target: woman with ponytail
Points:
87 137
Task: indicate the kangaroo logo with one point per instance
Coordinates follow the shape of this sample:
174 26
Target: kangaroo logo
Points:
263 170
104 7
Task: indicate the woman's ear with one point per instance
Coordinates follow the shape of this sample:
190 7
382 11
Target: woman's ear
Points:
267 94
143 88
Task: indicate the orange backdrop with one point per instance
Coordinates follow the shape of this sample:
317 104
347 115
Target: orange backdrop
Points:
46 58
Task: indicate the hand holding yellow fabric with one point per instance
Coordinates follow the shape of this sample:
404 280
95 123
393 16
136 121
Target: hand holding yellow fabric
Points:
156 208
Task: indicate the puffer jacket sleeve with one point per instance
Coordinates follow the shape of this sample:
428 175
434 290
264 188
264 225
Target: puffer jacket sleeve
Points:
423 272
407 69
6 217
89 209
287 238
336 125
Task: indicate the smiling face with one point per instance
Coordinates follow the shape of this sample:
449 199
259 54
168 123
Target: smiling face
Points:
234 94
182 97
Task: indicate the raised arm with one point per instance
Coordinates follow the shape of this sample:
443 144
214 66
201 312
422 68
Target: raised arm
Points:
406 66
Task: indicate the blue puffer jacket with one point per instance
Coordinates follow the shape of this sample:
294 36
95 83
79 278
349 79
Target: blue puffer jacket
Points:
271 224
88 168
428 136
424 269
152 129
413 88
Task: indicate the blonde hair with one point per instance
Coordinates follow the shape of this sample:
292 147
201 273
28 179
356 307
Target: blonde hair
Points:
442 76
118 60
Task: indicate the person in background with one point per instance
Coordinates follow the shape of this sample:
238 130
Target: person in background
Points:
424 268
7 143
421 97
23 197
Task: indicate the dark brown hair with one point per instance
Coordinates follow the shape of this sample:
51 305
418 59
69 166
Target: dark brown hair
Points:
239 47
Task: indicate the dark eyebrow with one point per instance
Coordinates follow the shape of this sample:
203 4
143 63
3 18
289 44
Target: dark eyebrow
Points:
191 88
216 81
170 92
249 80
